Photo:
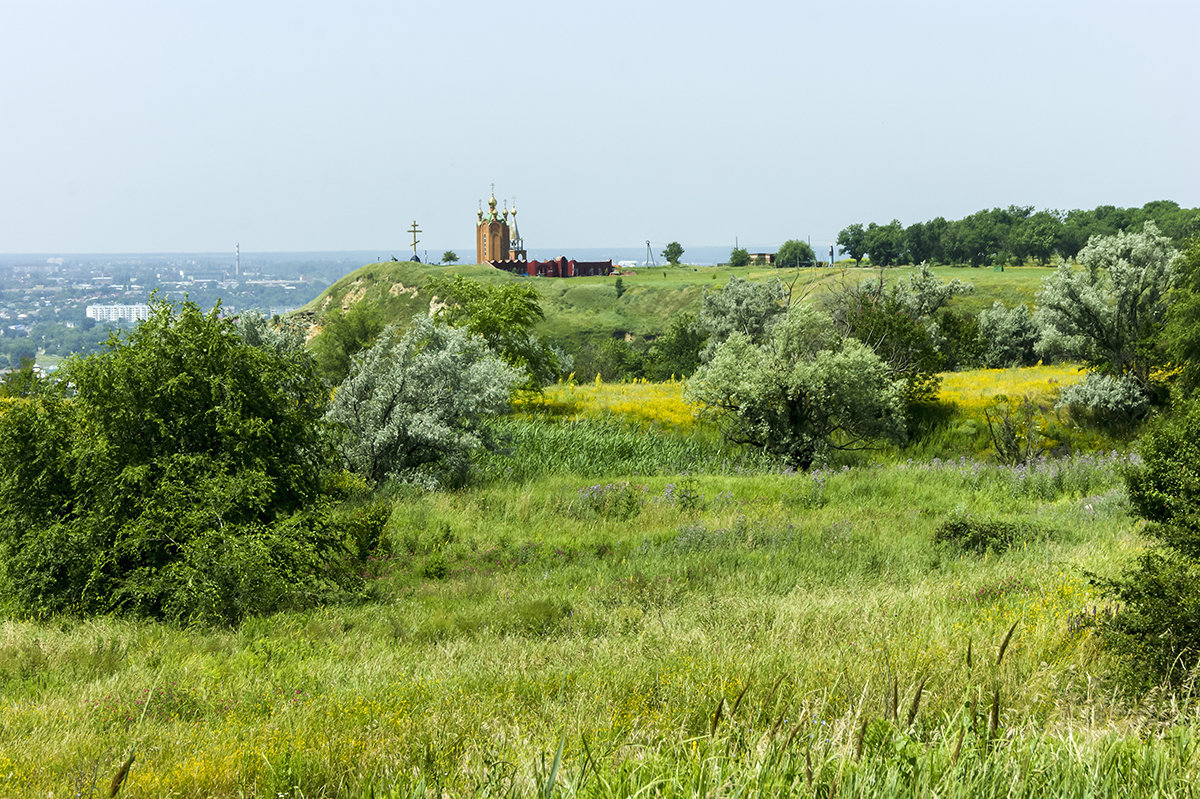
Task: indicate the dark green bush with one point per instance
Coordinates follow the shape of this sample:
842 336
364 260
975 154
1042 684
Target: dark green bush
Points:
436 567
363 527
179 474
541 616
1156 630
1157 627
984 535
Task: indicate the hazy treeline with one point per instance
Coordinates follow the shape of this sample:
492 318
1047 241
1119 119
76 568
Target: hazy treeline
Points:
1012 235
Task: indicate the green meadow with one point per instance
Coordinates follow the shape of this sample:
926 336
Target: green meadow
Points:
613 610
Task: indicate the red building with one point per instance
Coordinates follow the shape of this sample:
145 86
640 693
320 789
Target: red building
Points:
557 267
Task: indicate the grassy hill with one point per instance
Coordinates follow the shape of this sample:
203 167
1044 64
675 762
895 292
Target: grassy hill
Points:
586 308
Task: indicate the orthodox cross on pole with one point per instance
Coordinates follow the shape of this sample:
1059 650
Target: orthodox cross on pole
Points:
414 230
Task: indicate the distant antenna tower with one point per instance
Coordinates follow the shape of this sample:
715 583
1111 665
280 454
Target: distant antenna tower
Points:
237 259
650 254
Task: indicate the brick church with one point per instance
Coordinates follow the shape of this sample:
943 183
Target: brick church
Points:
498 242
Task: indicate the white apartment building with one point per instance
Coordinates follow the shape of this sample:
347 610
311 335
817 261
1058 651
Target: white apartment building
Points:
118 313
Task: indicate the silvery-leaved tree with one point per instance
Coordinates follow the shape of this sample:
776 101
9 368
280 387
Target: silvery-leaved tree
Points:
1106 313
1009 336
741 306
804 391
415 404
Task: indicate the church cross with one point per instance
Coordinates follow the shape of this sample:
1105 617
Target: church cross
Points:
414 230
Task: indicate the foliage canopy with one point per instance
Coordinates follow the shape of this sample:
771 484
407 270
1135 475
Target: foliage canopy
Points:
415 403
1108 314
1157 626
502 315
673 252
793 253
804 391
181 477
741 306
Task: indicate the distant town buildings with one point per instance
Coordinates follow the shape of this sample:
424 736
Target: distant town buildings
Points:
499 243
118 313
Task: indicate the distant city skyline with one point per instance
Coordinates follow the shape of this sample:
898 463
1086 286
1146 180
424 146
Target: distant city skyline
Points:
133 126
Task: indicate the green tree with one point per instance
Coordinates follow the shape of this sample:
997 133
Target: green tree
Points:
16 351
885 243
899 324
852 240
1181 332
739 256
1109 312
923 294
23 381
616 359
1009 336
449 257
676 353
503 315
806 391
1156 629
673 252
344 333
794 253
957 338
415 404
919 242
741 306
1034 237
179 479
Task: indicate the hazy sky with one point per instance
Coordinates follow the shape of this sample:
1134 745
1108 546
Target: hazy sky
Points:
188 125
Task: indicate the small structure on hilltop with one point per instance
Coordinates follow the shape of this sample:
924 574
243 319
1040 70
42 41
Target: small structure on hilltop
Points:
498 242
495 239
555 267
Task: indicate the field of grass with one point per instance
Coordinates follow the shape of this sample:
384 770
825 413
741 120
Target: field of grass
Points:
619 606
729 634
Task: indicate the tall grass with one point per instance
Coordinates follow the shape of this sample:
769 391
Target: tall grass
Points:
590 447
616 616
616 609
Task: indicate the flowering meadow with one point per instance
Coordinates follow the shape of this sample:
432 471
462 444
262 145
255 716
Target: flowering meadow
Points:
975 389
633 611
640 402
662 404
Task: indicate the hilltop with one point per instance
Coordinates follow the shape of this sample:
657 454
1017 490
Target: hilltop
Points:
582 309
